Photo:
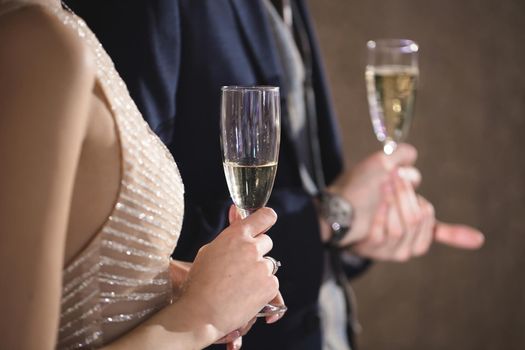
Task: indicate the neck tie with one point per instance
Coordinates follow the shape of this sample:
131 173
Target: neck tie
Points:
300 104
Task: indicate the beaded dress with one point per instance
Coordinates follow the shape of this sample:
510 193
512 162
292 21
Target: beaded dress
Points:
121 277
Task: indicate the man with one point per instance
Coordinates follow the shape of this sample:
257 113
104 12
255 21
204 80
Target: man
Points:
175 55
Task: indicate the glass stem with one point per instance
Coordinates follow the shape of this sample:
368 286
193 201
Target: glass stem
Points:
245 212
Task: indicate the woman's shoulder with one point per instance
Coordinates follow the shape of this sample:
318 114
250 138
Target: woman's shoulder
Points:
33 36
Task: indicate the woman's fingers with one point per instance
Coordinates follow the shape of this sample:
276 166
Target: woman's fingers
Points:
179 271
228 338
259 222
235 345
263 243
234 339
248 326
233 214
278 300
238 276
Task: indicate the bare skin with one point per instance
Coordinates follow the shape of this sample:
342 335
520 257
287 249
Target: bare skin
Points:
392 222
59 150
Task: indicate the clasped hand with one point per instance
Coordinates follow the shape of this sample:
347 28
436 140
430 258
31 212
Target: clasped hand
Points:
392 221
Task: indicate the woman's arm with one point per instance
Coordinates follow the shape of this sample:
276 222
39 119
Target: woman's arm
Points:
45 83
228 283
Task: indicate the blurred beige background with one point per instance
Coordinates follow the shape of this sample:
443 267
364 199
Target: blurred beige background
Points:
470 132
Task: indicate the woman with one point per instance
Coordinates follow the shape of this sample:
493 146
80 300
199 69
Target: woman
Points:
87 221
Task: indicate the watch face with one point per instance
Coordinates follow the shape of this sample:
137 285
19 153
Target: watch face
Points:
338 209
337 212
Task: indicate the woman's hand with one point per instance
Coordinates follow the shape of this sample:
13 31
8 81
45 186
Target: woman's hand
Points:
230 281
233 216
179 271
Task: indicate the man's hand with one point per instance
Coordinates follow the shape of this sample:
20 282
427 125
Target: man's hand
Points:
404 226
362 188
393 222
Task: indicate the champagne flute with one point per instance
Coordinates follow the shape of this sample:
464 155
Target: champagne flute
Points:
392 75
250 138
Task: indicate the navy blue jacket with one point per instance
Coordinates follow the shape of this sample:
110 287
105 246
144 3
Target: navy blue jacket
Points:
174 56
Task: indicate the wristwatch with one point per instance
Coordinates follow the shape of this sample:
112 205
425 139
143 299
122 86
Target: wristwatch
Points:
338 213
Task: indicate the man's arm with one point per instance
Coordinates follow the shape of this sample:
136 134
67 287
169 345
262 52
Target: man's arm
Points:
391 221
144 43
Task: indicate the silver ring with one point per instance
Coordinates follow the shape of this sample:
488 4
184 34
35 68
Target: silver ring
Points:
276 264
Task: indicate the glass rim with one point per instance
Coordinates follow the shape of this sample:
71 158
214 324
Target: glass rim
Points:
239 88
404 45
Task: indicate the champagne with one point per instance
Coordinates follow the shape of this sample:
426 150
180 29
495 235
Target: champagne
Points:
391 95
250 185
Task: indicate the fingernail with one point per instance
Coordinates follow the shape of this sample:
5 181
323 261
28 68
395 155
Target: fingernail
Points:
405 174
235 334
481 239
237 343
275 318
272 319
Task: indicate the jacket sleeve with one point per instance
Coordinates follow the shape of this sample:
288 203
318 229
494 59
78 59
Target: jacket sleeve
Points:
329 136
144 44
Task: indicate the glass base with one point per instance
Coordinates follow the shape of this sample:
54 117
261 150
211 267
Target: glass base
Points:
269 310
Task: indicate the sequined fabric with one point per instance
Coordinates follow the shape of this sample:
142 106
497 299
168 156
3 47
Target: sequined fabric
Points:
121 277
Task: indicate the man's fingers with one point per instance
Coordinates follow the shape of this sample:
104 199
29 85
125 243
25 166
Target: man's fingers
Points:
404 155
377 228
407 202
410 174
406 192
424 238
394 226
458 236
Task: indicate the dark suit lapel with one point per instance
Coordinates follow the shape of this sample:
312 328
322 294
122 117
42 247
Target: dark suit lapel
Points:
257 33
259 39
